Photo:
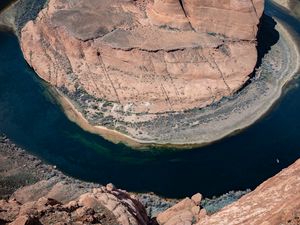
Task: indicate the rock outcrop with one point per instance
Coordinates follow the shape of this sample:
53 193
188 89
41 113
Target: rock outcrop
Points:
185 212
105 205
58 199
143 57
276 201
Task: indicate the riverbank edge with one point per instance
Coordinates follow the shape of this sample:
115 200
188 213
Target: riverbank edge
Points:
66 188
72 111
25 169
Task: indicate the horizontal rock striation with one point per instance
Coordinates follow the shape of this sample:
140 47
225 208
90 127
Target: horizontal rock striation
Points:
143 58
105 205
155 60
276 201
55 198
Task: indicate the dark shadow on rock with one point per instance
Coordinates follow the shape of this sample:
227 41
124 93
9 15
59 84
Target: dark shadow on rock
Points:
267 36
3 222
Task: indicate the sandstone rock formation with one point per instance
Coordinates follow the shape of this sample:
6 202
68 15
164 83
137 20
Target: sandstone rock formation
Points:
185 212
143 57
276 201
105 205
58 199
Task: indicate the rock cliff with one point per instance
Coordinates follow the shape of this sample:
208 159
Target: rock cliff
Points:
105 205
123 59
276 201
40 194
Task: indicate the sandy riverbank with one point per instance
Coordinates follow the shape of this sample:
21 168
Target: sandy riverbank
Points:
215 122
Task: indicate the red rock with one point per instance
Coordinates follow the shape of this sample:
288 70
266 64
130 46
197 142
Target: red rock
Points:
275 201
184 212
168 13
197 198
131 57
236 19
22 220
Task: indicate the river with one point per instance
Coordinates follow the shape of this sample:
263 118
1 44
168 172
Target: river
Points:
32 119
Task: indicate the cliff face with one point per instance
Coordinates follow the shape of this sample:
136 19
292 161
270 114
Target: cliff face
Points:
105 205
276 201
145 56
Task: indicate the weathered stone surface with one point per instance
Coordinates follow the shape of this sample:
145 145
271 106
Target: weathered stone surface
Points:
100 206
146 57
185 212
236 19
276 201
62 199
168 13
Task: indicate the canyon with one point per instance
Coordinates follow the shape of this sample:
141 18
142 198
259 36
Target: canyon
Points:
44 195
137 65
125 65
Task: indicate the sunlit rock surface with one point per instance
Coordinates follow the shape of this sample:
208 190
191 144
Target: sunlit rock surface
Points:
144 56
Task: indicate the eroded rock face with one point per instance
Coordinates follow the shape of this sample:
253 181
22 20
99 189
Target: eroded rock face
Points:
185 212
145 56
235 19
105 205
276 201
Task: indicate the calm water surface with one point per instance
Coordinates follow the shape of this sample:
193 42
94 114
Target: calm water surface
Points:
31 118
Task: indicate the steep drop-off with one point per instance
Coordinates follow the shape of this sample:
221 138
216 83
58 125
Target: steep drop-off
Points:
63 200
124 62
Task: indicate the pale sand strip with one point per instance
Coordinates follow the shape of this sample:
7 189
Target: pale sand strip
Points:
246 120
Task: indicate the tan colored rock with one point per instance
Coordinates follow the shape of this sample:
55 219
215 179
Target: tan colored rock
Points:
23 220
168 13
99 206
185 212
197 198
235 19
9 210
110 187
120 52
276 201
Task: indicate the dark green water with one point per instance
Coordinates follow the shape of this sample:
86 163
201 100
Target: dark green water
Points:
4 3
30 118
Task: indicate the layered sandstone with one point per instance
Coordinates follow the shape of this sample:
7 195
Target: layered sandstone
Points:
144 56
106 205
276 201
58 199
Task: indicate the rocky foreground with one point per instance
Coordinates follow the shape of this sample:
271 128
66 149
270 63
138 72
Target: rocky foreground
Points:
127 63
36 193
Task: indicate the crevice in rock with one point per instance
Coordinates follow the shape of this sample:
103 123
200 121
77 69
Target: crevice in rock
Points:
186 13
254 9
221 73
107 75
